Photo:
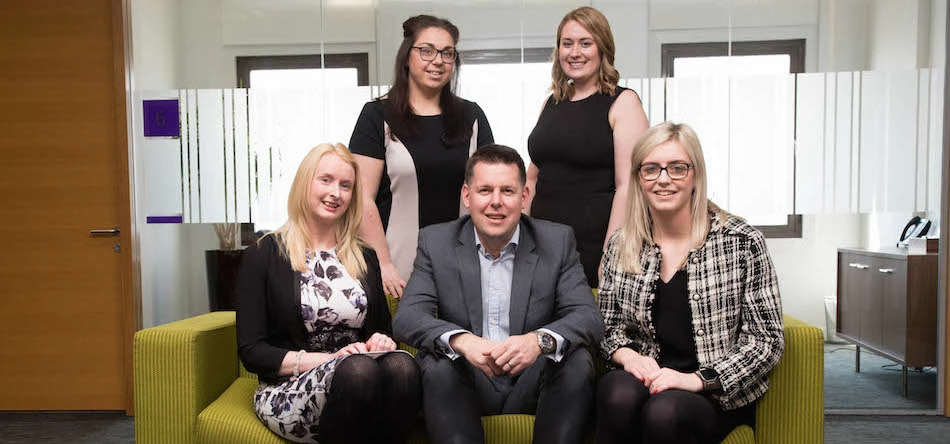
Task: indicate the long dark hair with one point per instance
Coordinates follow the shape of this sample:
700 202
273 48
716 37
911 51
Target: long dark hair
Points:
402 121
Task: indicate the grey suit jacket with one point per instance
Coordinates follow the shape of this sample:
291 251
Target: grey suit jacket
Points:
548 286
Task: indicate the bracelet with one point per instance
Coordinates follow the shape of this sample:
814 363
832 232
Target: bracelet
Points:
297 365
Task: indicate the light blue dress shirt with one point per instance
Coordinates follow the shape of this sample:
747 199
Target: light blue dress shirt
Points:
496 276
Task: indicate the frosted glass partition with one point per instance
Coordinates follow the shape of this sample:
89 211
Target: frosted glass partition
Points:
775 145
284 126
215 162
868 142
746 127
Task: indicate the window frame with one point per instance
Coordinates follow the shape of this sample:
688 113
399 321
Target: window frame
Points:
794 48
506 55
358 60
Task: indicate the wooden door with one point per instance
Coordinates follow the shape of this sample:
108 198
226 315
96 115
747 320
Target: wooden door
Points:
67 310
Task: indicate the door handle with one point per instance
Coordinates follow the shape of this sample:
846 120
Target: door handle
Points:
886 270
107 231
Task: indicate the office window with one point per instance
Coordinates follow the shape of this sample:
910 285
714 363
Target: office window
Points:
757 75
303 71
674 55
278 80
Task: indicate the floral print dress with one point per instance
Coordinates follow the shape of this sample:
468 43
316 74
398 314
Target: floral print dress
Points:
333 305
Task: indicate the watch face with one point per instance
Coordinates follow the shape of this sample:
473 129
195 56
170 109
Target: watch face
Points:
546 341
708 374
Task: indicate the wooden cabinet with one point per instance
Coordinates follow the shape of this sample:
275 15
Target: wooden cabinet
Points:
887 302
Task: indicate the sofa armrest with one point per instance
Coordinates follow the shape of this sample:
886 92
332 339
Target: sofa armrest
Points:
793 408
180 368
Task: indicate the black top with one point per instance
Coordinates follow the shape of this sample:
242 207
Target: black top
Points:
269 321
573 147
673 322
439 169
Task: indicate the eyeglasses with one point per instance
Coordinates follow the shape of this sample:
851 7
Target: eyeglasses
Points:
427 53
676 170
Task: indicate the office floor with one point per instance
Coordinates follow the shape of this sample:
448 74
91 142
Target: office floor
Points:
877 385
116 428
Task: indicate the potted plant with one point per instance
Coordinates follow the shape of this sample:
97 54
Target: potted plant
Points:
223 265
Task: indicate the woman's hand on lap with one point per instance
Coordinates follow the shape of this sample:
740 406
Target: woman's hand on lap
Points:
352 349
380 342
636 364
667 378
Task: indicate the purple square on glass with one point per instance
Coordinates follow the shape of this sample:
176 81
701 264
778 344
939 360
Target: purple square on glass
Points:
161 118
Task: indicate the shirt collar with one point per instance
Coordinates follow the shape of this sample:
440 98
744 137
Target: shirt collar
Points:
512 244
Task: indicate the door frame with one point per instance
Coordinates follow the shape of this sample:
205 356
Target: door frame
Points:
943 292
128 272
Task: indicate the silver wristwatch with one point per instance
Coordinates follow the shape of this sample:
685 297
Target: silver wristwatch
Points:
546 342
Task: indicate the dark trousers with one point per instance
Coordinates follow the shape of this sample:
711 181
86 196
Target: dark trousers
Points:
456 395
628 413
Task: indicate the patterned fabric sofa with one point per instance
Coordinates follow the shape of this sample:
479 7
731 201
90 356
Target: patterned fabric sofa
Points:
191 388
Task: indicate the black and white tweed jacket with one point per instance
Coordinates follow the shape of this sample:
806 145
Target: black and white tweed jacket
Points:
734 300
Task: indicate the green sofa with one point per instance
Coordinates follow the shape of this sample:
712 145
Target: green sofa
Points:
190 388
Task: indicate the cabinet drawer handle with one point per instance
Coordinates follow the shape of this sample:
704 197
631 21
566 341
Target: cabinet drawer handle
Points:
886 270
858 266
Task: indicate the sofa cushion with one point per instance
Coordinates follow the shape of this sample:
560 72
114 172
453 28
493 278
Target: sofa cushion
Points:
230 419
740 435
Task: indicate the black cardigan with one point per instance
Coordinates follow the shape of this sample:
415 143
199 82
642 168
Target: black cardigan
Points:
269 321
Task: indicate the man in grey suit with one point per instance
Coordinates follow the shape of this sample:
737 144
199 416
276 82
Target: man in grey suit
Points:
508 295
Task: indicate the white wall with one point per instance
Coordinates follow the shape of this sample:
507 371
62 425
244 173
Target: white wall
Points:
155 64
899 34
214 32
807 267
902 33
155 43
843 31
938 31
704 21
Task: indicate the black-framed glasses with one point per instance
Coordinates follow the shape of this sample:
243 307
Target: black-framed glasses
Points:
676 170
449 55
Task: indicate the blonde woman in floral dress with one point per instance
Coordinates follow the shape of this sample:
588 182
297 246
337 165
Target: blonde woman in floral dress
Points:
312 318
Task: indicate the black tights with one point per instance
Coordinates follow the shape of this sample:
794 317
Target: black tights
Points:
627 413
372 400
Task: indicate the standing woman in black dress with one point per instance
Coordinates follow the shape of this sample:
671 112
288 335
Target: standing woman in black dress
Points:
412 146
580 148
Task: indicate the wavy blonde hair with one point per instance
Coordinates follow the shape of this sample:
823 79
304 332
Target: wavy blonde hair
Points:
637 228
294 235
595 23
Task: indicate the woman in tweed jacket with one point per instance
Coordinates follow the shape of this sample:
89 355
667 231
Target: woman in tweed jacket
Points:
691 305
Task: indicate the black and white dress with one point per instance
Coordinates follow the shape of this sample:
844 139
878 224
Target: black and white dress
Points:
422 177
333 306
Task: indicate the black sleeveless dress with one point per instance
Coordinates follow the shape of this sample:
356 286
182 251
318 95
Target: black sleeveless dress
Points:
573 147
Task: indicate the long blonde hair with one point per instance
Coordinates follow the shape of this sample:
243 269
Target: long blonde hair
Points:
637 228
294 235
595 23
